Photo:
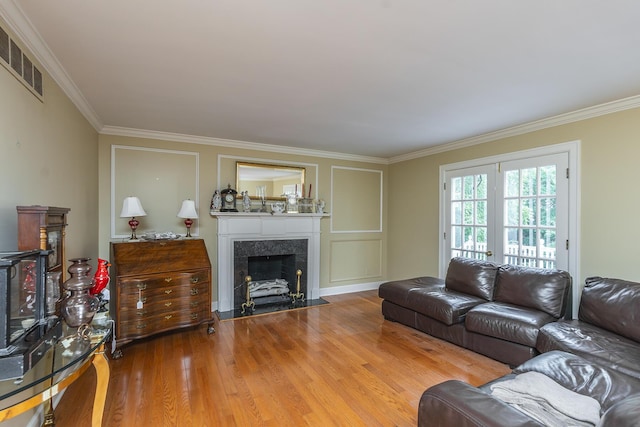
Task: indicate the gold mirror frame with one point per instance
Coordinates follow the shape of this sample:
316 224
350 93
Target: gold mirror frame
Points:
271 178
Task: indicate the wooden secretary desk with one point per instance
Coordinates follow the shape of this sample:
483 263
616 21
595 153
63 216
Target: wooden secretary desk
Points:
158 286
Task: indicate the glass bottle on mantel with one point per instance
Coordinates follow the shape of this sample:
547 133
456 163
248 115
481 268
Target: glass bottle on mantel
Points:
79 306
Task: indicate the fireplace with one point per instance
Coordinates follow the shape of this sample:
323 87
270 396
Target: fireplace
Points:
258 233
268 261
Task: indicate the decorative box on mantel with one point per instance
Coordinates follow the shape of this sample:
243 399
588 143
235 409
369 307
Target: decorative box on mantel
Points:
237 226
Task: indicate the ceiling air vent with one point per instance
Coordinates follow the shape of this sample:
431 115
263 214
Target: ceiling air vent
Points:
18 64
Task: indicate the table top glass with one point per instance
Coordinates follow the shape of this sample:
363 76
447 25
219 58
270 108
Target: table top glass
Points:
70 351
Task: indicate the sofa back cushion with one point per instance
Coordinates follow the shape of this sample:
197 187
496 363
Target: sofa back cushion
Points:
537 288
472 277
612 304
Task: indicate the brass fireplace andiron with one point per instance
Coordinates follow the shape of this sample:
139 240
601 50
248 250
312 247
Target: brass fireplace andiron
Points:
249 303
297 296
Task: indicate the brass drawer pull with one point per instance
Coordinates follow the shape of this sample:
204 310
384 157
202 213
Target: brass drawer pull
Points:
168 279
194 316
141 326
141 286
195 280
194 291
168 304
168 291
169 316
194 303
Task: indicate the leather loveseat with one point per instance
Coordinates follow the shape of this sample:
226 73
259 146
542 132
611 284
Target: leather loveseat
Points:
495 310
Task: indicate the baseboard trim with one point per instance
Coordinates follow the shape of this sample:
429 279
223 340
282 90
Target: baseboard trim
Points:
347 289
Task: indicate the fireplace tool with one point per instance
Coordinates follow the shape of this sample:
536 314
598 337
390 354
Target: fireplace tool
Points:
297 296
249 303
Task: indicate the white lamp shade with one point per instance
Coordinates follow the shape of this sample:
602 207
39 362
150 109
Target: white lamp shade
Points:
188 210
132 207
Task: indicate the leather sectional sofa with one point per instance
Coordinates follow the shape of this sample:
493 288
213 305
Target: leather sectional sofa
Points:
495 310
595 357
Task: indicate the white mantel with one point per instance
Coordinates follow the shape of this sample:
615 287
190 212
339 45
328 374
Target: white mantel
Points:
235 226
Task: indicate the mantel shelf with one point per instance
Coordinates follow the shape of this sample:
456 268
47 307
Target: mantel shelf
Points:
266 214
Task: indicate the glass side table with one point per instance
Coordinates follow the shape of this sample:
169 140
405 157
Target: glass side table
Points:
62 364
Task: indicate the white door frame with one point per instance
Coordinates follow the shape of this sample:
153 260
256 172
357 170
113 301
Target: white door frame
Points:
573 150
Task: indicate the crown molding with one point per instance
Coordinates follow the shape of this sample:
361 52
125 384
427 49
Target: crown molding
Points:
561 119
21 26
244 145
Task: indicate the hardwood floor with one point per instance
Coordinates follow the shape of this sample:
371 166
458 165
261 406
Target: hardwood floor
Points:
335 364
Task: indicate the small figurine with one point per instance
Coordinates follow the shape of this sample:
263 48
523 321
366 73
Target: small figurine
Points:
246 201
101 278
216 201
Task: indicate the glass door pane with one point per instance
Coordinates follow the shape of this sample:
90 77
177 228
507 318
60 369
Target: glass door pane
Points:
531 224
468 227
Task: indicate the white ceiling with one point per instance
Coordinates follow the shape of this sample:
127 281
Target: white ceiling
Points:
375 78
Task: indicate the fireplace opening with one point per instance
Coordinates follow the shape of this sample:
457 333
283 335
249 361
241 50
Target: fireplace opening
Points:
272 266
272 277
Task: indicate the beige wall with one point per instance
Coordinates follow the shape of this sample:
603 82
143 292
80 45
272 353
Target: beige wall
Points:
609 197
367 265
49 157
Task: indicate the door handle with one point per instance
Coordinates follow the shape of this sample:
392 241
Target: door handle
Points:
488 253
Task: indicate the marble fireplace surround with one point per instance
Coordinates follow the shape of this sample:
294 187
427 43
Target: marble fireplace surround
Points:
238 226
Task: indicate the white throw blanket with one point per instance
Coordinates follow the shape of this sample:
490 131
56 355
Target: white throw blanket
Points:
548 402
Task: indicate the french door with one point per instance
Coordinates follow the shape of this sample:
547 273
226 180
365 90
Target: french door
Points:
512 212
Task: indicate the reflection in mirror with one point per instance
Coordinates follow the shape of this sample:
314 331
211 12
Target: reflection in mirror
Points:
270 182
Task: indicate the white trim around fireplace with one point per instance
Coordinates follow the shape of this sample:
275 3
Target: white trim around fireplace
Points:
237 226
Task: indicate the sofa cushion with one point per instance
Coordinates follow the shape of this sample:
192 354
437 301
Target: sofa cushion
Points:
471 276
508 322
536 288
398 291
444 305
593 343
583 376
625 413
612 304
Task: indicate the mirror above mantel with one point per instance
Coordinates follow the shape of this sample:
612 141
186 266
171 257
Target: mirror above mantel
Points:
269 181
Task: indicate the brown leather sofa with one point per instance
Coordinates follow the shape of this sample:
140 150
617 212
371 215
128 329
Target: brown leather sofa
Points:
495 310
596 355
455 403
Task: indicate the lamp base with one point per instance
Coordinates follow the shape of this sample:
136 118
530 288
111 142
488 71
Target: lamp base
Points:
133 223
188 223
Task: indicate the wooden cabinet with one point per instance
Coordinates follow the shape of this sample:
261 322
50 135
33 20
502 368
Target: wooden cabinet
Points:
43 227
159 286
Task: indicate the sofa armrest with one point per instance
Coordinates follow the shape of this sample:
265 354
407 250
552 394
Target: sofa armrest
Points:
455 403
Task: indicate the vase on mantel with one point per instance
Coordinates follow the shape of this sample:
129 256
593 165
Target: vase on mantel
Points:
79 306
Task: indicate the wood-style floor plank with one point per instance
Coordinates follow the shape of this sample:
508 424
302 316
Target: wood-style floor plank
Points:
336 364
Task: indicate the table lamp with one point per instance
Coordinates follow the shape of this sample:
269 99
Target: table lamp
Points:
188 211
131 207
